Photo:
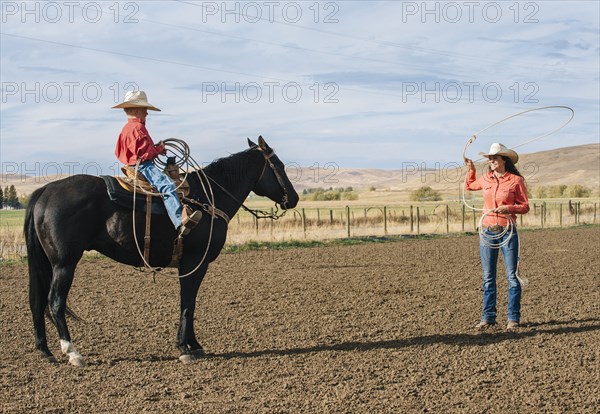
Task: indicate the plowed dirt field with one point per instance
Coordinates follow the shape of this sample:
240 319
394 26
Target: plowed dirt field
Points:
369 328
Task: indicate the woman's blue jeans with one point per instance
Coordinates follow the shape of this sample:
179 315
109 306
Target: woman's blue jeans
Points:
489 263
166 187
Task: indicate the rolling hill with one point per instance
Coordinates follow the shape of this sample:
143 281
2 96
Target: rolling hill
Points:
568 165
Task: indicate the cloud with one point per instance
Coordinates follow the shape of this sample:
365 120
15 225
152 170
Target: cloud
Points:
355 107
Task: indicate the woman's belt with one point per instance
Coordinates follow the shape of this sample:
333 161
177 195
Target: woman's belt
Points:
494 229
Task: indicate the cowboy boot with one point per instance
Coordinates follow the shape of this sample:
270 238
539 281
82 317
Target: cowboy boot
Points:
189 219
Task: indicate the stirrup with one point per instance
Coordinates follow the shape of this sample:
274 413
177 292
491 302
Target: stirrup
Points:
189 221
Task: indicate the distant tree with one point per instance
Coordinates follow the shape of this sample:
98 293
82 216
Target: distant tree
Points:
1 198
557 191
540 192
562 191
578 190
11 197
425 193
349 195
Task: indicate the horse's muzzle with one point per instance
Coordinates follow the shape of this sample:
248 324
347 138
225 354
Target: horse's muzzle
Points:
289 202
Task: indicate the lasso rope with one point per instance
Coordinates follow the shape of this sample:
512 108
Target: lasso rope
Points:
491 240
181 150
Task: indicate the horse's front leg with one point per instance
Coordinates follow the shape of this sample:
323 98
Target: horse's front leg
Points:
188 345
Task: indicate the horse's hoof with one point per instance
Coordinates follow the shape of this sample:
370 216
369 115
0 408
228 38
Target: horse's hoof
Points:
198 353
49 358
77 362
186 359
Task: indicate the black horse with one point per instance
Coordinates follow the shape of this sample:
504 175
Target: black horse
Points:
67 217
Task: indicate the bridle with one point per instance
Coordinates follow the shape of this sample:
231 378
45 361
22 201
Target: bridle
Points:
261 214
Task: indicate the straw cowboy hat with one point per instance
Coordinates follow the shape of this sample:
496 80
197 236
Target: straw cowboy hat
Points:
499 149
136 99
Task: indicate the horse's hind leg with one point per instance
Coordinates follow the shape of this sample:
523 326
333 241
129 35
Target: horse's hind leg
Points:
59 289
38 302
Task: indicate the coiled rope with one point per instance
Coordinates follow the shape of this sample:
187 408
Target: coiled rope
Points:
184 161
492 240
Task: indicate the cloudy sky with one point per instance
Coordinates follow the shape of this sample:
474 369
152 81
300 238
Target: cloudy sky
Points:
361 84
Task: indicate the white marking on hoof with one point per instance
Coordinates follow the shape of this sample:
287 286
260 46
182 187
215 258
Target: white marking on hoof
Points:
186 359
69 349
76 361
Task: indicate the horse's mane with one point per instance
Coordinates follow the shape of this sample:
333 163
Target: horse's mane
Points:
230 169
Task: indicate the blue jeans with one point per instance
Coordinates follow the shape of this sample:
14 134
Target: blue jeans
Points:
166 186
489 262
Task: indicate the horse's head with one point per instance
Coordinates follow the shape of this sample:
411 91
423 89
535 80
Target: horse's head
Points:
274 182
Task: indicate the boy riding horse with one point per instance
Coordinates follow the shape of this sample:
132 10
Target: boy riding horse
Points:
136 146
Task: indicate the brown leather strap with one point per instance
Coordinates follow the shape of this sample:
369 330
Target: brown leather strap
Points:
147 236
177 252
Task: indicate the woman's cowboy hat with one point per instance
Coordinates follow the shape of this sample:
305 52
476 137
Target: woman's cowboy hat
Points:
499 149
136 99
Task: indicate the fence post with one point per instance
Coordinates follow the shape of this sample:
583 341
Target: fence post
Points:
348 219
560 214
331 217
521 220
418 221
385 220
411 219
474 221
271 224
318 217
595 209
577 213
463 218
542 213
256 224
304 222
447 219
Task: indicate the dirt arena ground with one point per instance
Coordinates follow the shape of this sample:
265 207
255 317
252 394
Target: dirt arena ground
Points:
377 328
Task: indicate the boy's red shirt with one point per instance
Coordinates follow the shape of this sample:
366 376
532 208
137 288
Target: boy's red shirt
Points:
135 143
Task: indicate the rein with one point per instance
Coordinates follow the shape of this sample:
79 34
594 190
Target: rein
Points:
261 214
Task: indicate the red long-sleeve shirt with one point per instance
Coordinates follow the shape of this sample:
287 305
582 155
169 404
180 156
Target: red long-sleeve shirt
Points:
508 190
135 143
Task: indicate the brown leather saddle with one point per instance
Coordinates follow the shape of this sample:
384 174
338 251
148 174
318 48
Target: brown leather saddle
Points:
138 182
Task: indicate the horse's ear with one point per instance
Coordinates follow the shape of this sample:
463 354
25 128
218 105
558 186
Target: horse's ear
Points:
262 143
251 144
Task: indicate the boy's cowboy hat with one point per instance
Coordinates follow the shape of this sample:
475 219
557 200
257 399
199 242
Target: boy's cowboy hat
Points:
499 149
136 99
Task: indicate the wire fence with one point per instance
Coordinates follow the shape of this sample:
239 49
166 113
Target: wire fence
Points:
322 223
354 221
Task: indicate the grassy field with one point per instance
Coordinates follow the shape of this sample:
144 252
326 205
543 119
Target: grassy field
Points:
11 219
11 234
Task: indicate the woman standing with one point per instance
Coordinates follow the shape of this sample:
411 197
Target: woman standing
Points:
504 196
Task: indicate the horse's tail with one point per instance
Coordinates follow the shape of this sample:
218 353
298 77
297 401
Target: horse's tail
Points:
40 270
